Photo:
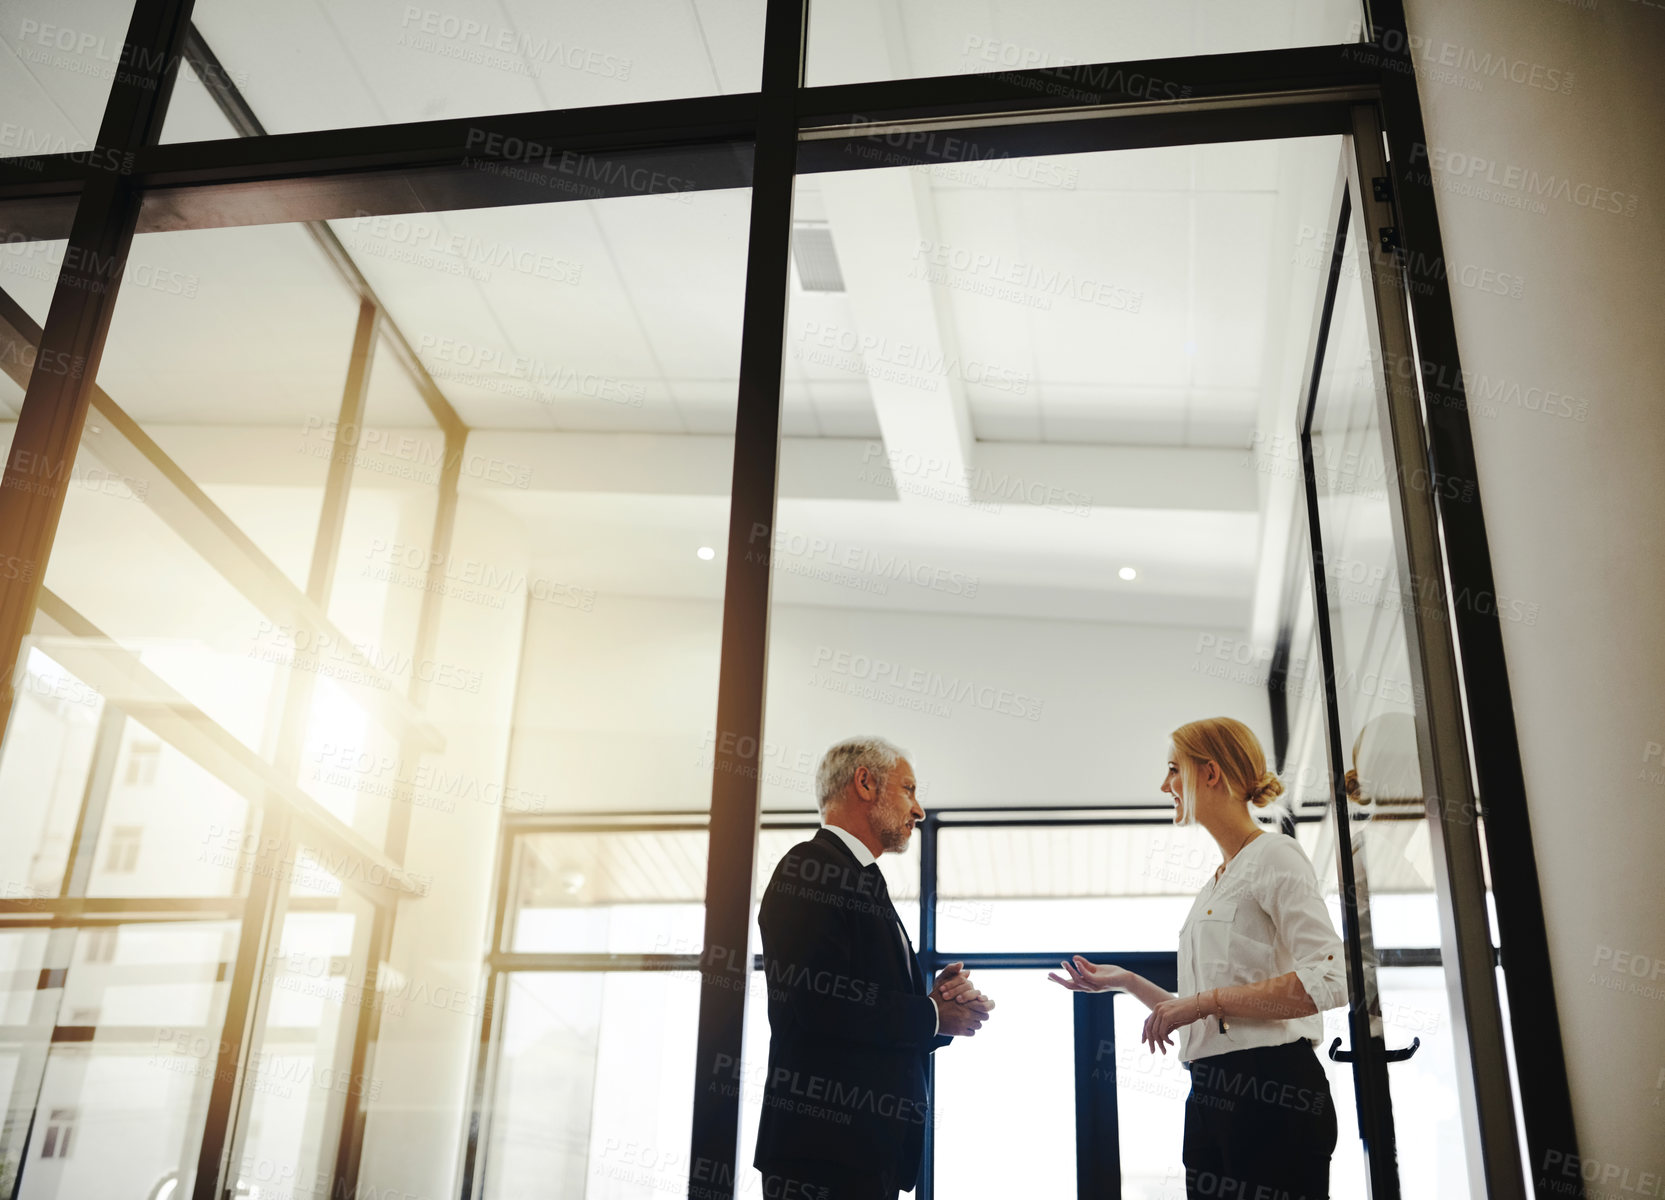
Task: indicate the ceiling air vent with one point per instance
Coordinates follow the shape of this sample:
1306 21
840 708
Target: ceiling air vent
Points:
812 250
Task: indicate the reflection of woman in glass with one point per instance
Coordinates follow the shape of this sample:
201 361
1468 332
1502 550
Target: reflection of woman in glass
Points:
1384 812
1385 766
1259 961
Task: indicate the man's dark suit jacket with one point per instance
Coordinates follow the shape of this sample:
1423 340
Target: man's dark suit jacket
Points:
850 1020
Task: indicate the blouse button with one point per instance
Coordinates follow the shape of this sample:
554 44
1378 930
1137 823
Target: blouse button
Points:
1209 913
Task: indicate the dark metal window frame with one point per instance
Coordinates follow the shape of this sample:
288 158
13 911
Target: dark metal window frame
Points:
131 183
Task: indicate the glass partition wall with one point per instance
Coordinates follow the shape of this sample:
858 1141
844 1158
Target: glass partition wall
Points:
470 531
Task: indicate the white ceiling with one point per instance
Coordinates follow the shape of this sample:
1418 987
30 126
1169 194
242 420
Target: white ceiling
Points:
859 40
312 65
57 58
626 315
309 64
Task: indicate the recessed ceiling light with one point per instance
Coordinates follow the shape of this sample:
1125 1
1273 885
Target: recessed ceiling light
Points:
707 553
1128 573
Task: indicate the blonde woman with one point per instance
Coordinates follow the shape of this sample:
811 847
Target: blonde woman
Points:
1259 962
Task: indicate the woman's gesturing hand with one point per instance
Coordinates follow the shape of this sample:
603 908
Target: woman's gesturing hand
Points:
1167 1017
1083 976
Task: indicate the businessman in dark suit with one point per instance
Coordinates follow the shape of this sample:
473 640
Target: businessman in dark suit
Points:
852 1019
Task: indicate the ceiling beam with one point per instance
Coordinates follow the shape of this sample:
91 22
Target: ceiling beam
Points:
879 221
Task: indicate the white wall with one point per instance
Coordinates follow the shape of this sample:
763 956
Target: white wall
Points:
1573 504
995 711
617 704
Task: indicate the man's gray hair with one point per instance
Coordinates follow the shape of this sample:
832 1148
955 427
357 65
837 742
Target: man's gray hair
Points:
838 765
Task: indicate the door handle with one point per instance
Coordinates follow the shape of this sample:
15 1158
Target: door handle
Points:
1337 1054
1402 1055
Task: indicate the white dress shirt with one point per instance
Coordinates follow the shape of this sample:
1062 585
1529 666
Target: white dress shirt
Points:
864 856
1262 918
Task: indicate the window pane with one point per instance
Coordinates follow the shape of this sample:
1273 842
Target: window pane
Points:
1150 1108
43 774
170 827
1018 1055
1308 787
643 893
1073 888
177 585
193 642
1427 1114
595 1086
1019 1074
1015 515
610 893
302 1071
123 1113
26 1014
592 348
854 42
384 577
183 552
173 975
479 649
164 825
302 67
399 456
352 766
224 342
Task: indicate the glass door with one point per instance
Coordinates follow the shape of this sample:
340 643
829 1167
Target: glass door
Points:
1400 823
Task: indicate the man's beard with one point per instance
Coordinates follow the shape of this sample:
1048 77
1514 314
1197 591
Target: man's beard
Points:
893 837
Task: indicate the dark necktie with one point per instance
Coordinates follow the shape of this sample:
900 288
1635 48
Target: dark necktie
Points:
887 910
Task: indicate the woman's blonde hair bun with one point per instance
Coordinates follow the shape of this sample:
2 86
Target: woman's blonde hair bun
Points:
1268 789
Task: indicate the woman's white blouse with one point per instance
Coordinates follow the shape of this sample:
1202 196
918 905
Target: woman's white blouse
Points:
1261 919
